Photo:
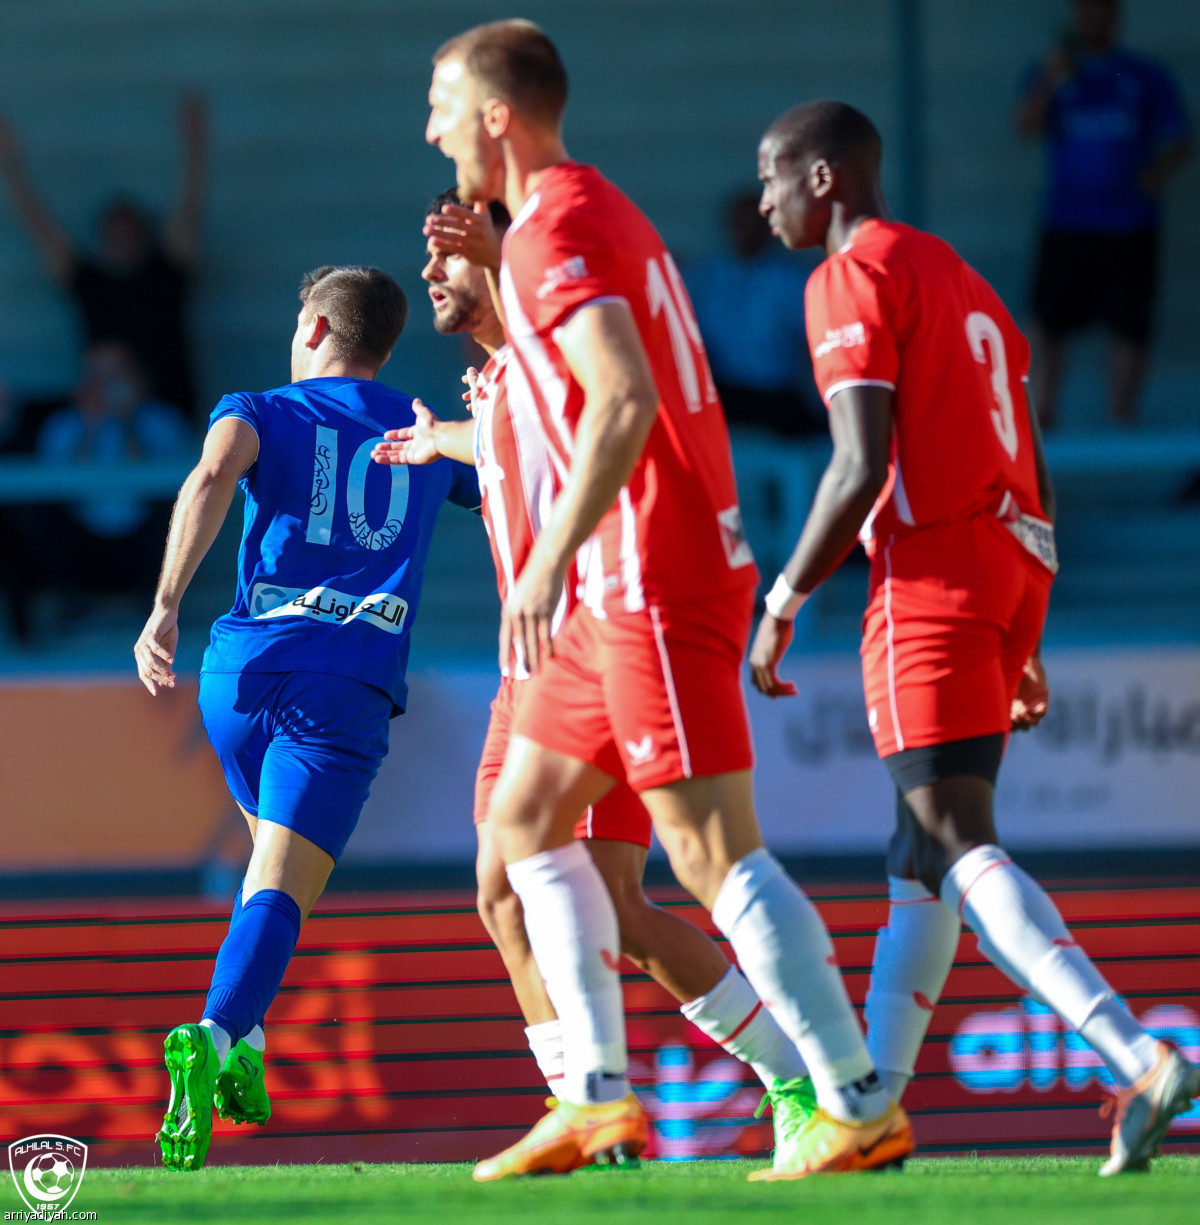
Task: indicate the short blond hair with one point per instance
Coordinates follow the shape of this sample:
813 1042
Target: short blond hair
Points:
516 62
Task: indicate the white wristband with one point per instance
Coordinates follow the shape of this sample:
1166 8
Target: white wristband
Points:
782 602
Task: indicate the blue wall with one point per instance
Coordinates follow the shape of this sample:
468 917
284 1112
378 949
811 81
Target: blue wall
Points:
318 151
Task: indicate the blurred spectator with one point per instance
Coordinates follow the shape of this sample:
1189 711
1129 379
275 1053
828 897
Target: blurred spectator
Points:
1115 129
113 541
749 303
134 289
17 566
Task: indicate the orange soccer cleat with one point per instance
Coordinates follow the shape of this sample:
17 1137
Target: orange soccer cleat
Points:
1145 1110
571 1137
828 1146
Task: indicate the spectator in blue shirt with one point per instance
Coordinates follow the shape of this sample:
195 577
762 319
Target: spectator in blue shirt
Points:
1115 129
749 304
112 540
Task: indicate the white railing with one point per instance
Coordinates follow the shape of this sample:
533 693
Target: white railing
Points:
777 480
30 480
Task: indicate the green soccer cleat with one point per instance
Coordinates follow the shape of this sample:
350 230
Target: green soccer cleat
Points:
186 1132
793 1105
241 1091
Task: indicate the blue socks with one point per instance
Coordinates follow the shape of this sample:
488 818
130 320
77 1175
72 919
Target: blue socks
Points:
252 960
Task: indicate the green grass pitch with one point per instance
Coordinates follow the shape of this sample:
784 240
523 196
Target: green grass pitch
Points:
975 1191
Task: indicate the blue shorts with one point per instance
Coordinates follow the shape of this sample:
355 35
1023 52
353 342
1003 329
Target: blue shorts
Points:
298 748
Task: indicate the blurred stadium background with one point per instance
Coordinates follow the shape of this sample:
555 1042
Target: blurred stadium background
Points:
396 1036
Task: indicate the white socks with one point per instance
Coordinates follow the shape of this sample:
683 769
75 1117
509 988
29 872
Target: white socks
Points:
913 956
546 1042
221 1040
735 1019
785 952
224 1043
572 930
1021 932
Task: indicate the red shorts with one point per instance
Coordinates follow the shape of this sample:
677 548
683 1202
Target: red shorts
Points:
651 697
955 612
619 817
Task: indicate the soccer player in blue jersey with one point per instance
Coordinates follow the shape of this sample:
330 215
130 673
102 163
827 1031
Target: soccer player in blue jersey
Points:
305 672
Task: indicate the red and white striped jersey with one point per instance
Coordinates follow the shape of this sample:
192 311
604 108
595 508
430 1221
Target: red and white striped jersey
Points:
674 531
516 472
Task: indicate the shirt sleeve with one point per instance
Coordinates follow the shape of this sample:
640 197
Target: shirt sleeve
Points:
560 266
237 405
850 330
464 486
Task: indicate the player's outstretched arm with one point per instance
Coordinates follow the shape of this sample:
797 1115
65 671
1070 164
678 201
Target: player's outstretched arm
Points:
860 420
203 502
427 441
601 345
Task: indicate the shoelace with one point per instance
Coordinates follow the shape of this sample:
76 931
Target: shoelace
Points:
1117 1102
787 1123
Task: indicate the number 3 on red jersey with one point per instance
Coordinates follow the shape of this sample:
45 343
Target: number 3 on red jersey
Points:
987 347
668 296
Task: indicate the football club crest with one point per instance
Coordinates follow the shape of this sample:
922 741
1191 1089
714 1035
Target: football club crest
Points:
47 1170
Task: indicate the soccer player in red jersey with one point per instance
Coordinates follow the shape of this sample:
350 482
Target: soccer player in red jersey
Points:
518 484
938 460
643 681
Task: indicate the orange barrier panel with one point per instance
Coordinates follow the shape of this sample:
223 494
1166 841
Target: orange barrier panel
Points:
396 1036
99 775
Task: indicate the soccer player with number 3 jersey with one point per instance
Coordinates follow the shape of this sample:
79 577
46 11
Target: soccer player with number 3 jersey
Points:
938 460
642 683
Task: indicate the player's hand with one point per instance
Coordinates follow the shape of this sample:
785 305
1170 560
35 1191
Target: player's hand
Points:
1033 696
155 650
414 444
471 395
770 645
466 232
527 619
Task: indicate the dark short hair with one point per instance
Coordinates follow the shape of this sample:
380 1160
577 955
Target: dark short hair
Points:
516 62
366 309
500 215
828 129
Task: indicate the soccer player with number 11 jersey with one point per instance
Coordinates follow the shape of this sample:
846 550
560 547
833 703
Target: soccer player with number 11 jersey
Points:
938 460
643 681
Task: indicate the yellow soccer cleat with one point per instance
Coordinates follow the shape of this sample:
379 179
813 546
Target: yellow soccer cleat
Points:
828 1146
571 1137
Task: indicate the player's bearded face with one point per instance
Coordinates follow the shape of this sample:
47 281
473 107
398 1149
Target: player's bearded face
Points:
456 127
457 291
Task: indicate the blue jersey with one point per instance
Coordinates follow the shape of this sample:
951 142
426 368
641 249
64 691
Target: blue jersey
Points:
333 544
1104 127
